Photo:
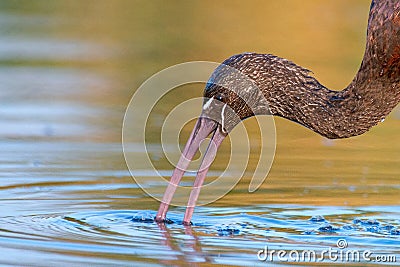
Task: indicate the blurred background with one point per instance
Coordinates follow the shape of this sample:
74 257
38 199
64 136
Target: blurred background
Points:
69 69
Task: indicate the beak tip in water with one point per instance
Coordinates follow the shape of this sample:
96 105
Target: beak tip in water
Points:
202 129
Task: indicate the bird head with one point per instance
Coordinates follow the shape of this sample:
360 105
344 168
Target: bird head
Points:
231 94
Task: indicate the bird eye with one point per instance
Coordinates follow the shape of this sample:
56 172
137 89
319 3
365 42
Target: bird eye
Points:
220 98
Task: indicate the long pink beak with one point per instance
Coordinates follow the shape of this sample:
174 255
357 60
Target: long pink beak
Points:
203 128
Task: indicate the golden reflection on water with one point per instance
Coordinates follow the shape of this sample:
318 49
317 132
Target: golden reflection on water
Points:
142 37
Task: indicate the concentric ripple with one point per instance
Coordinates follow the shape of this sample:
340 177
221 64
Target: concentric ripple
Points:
132 235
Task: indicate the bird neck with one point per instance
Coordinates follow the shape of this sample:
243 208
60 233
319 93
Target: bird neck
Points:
374 91
366 101
289 91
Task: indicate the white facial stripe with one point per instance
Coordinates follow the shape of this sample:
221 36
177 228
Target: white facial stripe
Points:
223 118
208 103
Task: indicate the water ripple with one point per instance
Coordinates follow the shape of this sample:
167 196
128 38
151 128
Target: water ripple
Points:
124 232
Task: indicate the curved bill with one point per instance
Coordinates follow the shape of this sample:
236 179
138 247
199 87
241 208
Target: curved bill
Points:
202 129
